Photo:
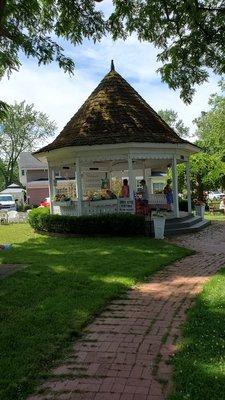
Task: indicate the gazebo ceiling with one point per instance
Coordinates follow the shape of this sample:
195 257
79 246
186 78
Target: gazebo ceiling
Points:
114 113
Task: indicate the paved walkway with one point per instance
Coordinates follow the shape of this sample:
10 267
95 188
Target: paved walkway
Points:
124 354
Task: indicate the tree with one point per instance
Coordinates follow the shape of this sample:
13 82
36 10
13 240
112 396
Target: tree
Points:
189 33
22 129
171 117
207 173
211 125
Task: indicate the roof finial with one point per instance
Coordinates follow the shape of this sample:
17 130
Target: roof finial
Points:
112 66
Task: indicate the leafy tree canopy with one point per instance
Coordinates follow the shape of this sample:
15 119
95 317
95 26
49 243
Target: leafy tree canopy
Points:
189 34
171 117
207 173
209 169
22 129
211 125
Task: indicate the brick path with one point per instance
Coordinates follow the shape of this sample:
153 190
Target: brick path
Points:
124 354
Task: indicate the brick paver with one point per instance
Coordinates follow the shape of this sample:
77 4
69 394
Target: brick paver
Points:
124 353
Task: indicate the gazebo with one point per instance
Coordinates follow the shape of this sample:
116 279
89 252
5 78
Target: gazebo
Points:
115 134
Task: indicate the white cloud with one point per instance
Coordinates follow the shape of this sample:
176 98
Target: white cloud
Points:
60 96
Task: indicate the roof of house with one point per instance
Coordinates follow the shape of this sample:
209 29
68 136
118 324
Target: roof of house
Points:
114 113
27 161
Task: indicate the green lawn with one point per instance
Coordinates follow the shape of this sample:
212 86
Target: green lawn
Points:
200 364
67 281
218 216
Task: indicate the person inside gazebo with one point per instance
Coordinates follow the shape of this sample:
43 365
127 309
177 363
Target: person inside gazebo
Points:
125 191
169 194
144 192
141 203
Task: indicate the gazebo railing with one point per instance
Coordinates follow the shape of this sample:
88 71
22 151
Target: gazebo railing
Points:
112 206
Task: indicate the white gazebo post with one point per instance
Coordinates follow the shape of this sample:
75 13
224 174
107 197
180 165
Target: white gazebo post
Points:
150 182
79 190
143 170
188 183
51 186
131 176
175 188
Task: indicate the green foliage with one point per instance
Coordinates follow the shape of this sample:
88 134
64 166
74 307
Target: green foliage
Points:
3 109
21 129
109 224
171 118
183 205
211 125
217 216
190 33
27 27
207 173
66 282
209 168
200 363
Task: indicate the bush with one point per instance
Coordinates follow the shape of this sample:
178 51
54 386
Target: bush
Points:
105 224
183 205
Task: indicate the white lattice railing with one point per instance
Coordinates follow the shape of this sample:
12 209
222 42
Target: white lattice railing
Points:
95 207
157 199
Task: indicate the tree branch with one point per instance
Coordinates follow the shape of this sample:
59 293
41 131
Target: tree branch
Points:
2 8
220 10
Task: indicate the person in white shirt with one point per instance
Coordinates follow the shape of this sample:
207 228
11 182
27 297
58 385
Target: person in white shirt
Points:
144 190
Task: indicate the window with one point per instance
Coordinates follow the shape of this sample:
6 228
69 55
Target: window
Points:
22 172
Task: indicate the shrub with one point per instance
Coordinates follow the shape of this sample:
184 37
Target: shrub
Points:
105 224
183 205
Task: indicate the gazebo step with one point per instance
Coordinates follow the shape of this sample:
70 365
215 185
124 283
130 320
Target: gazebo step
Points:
187 229
183 222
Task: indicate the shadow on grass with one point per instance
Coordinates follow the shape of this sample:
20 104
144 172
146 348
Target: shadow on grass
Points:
66 283
200 364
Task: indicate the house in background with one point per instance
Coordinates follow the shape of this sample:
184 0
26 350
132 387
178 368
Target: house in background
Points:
33 175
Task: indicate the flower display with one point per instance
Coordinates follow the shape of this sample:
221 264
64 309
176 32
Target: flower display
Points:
61 197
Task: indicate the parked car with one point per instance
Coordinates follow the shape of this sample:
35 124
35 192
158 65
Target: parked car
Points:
45 202
7 202
216 195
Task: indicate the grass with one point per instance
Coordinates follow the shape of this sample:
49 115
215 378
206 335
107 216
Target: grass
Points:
218 216
66 282
200 363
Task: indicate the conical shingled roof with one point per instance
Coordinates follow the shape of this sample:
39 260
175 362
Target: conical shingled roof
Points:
114 113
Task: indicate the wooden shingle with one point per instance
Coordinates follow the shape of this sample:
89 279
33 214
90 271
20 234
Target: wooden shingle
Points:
114 113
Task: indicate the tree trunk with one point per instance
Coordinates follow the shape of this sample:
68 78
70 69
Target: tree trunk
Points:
199 188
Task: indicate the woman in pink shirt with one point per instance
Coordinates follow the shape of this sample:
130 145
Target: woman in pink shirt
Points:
125 192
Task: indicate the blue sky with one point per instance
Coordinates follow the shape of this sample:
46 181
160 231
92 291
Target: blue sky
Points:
60 95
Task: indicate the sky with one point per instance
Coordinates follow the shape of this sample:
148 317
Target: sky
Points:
60 95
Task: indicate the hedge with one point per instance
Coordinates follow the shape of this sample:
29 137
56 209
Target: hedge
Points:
105 224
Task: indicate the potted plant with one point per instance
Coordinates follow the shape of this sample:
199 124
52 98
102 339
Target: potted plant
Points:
159 224
199 207
62 199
